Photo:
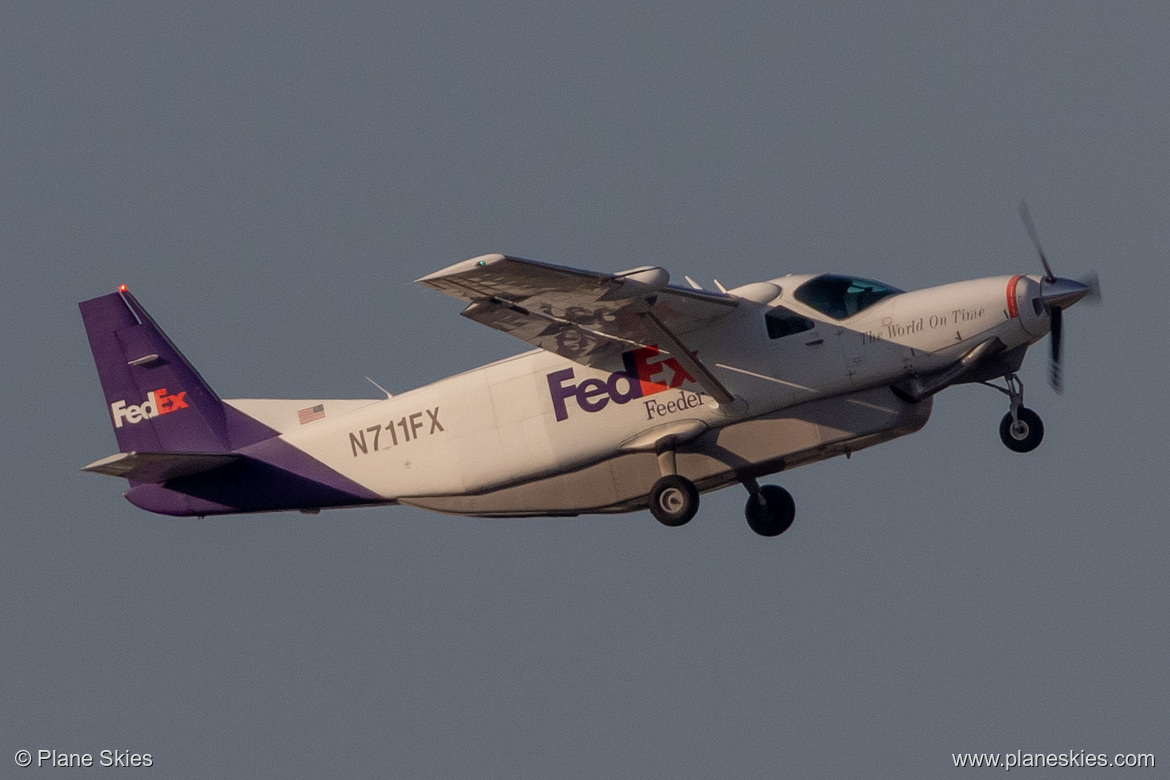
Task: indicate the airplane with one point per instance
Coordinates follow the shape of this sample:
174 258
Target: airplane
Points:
640 394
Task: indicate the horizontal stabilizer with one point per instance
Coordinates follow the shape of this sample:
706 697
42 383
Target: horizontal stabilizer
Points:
159 466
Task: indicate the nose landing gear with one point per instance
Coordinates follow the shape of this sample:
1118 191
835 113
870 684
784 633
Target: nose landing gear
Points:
1024 433
1021 429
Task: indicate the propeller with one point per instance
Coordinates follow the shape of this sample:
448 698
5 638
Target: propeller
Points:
1055 325
1057 294
1026 217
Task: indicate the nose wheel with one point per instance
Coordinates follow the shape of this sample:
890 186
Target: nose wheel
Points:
1021 429
1024 433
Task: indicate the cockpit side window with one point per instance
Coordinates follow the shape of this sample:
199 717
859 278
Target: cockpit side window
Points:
842 296
783 322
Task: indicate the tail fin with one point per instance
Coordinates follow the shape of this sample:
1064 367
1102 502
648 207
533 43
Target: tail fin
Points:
156 399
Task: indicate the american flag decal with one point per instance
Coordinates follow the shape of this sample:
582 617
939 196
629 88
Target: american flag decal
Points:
312 413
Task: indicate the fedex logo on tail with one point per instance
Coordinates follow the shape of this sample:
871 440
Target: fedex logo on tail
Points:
644 375
157 402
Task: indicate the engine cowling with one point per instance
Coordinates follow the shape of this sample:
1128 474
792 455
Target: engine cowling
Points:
1024 301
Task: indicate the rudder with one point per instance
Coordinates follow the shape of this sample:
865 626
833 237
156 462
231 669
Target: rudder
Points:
156 399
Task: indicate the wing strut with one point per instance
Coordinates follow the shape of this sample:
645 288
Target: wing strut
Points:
721 394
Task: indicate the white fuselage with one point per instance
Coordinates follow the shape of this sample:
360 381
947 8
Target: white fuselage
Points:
538 414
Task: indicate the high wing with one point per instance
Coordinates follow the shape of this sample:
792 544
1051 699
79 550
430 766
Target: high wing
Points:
585 316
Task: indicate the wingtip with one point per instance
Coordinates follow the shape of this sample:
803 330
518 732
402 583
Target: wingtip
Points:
462 267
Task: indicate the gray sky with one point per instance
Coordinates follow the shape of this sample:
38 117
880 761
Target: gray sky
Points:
269 180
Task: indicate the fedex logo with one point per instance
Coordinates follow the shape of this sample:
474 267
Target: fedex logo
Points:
644 375
157 402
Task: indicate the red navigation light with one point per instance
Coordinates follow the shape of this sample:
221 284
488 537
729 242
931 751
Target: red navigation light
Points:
121 288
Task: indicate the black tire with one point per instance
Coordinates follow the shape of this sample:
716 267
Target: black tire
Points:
1025 435
674 500
771 511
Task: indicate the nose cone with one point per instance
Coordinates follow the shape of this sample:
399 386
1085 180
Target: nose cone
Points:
1062 293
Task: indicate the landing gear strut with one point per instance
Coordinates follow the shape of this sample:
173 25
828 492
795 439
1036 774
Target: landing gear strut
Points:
770 509
1021 429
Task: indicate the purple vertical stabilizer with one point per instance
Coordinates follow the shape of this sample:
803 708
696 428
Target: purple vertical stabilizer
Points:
156 400
191 453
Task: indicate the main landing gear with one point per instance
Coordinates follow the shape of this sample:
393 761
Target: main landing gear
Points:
770 510
674 500
1021 429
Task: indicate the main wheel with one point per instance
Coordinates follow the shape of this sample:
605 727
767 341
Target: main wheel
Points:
1025 434
674 500
771 511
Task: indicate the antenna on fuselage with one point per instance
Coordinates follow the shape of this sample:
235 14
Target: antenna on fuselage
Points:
384 390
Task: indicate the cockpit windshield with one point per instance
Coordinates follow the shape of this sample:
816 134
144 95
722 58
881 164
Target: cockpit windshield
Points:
842 296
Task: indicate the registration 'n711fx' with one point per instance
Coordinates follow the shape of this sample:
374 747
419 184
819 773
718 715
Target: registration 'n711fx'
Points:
398 432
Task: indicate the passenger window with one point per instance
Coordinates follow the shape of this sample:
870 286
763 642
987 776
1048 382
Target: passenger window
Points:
783 322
